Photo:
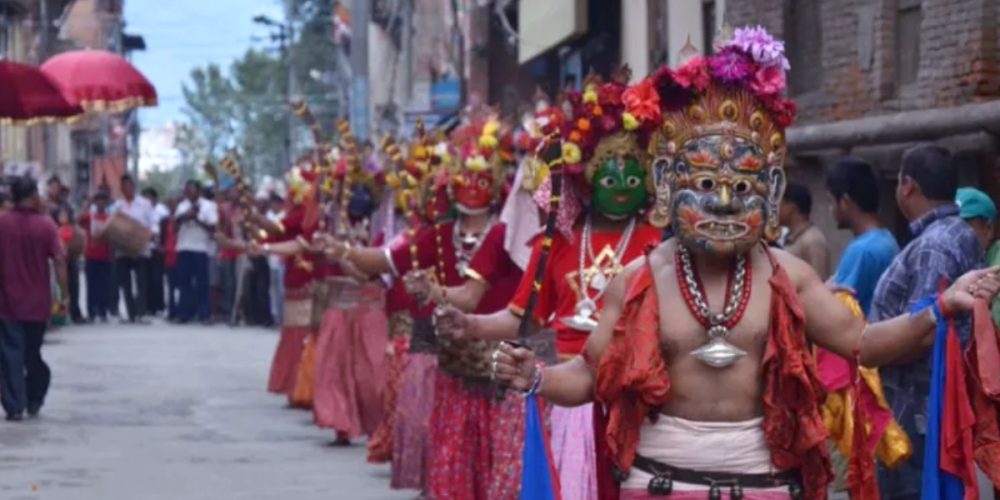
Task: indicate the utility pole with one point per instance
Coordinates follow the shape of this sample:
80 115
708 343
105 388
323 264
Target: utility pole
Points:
360 15
292 82
407 46
284 35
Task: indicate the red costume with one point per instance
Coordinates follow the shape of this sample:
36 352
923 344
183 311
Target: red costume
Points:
633 381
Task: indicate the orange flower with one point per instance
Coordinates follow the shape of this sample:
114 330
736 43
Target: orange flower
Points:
583 124
597 111
575 136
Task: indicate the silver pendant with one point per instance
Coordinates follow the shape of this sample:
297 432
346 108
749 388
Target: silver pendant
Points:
718 352
598 281
583 316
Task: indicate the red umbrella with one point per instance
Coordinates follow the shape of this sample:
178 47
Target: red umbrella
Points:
98 80
28 96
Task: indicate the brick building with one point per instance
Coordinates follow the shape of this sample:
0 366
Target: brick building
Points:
874 76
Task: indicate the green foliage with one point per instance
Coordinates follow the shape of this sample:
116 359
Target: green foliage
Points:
246 107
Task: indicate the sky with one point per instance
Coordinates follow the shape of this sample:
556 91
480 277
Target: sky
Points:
183 34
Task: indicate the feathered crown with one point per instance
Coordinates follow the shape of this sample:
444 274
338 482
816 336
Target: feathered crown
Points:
738 91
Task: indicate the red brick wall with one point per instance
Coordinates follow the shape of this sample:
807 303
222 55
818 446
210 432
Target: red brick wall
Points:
959 54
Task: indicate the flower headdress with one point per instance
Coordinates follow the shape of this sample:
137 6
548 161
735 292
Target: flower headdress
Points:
737 91
607 118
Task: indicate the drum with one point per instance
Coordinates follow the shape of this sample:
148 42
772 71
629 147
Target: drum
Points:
127 235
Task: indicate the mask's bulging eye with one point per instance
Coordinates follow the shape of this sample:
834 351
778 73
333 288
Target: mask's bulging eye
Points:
483 184
742 187
633 182
706 184
607 182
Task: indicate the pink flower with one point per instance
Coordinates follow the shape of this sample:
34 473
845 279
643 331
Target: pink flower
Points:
761 46
768 81
642 101
731 66
693 75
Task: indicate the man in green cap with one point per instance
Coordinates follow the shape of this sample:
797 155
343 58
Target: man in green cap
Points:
979 211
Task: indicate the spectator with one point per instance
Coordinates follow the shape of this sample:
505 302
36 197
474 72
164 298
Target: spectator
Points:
30 242
979 211
169 231
229 270
944 247
155 302
57 198
804 240
99 262
854 187
128 268
275 213
196 219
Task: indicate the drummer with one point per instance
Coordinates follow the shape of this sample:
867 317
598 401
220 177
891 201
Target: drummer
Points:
140 209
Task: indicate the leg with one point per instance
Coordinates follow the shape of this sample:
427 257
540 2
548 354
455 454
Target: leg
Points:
124 268
155 283
227 284
13 390
185 307
141 286
200 270
115 302
39 374
90 269
73 280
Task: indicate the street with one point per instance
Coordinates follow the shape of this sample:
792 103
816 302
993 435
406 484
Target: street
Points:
174 412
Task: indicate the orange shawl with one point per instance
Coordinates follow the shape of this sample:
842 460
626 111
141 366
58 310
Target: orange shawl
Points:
633 382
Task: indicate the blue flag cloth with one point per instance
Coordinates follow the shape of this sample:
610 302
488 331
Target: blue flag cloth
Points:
937 483
537 481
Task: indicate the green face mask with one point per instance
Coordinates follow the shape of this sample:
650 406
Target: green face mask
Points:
619 193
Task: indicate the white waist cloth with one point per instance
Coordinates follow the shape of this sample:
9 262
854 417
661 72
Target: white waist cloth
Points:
703 446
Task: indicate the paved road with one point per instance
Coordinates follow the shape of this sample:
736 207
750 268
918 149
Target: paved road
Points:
172 413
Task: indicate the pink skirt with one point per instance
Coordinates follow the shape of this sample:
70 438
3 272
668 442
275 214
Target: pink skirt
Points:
413 415
380 444
573 451
475 442
284 368
701 495
351 369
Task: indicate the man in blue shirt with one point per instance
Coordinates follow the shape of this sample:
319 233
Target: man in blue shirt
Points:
944 247
853 186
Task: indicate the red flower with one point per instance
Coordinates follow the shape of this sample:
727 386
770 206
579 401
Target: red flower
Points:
768 81
643 102
610 94
784 111
694 75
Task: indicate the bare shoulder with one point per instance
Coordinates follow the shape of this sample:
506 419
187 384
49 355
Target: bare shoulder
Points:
798 270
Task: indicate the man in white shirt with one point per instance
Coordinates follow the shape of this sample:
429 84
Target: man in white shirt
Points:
196 219
127 267
155 299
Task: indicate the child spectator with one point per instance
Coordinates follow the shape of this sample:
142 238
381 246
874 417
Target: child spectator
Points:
99 259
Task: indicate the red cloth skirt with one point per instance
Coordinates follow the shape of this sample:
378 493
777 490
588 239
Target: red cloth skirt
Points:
380 444
476 442
413 413
284 368
350 363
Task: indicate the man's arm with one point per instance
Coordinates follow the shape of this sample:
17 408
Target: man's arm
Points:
570 383
831 325
62 277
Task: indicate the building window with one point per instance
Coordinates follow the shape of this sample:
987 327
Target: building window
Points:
804 43
708 26
908 22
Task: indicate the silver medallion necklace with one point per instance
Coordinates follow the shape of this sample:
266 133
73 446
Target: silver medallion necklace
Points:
467 244
583 313
718 352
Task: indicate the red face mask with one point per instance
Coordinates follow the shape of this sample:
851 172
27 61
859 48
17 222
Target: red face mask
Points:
474 191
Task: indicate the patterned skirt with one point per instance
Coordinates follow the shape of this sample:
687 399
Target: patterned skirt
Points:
302 395
413 413
350 364
573 451
380 444
476 442
284 368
